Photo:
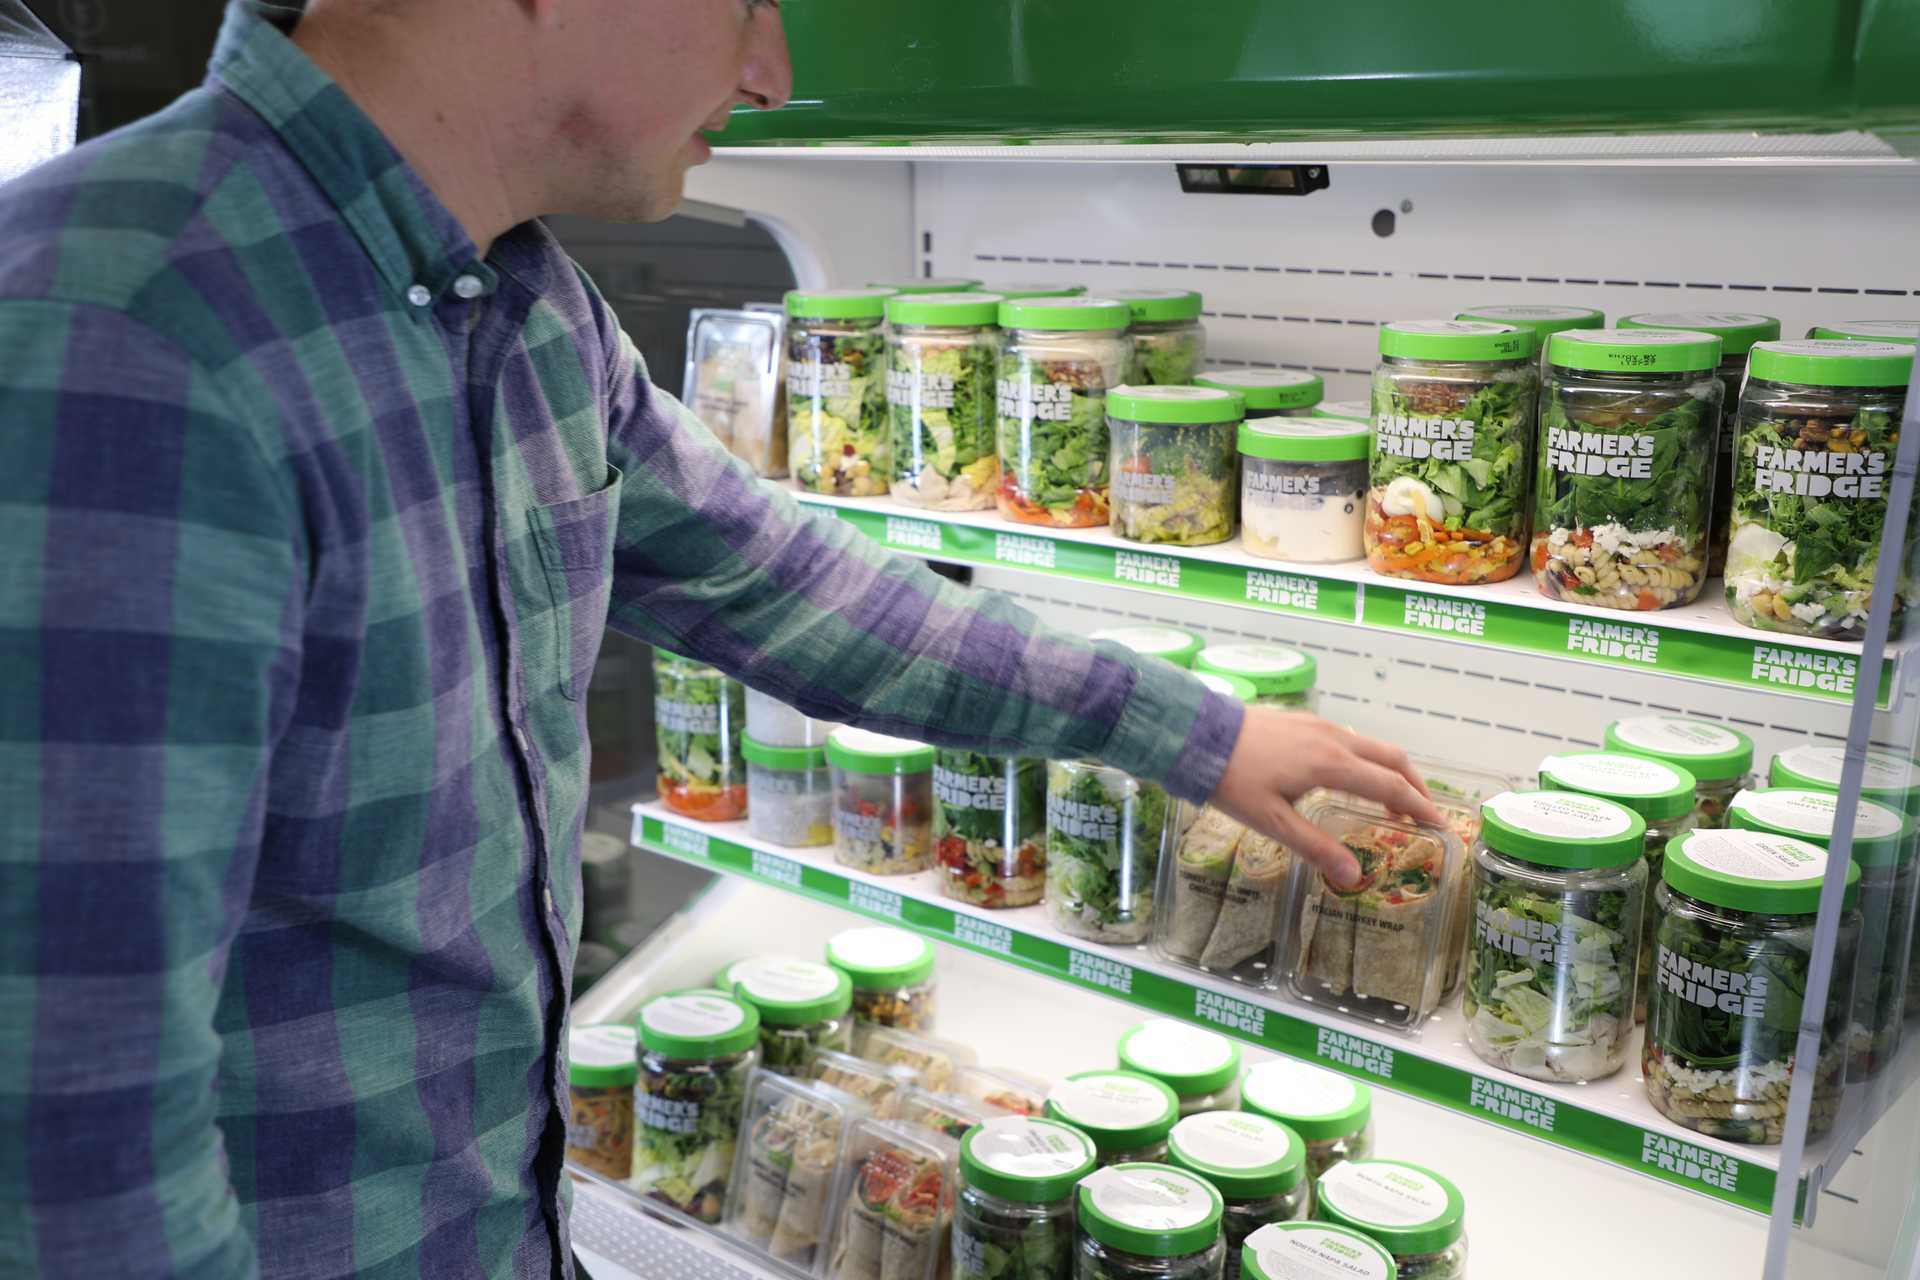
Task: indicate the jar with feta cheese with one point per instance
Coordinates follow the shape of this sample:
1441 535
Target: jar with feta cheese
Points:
1720 759
837 425
1200 1066
942 349
1332 1114
1303 489
1314 1251
1059 357
882 801
1269 393
1621 505
1175 645
1453 411
1281 676
1257 1165
1145 1221
1169 342
1173 465
1413 1213
789 794
1127 1115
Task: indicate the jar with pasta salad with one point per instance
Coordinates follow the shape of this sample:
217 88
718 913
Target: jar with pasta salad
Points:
941 353
837 427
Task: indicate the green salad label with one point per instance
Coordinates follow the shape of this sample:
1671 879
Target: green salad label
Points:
1314 1251
1384 1194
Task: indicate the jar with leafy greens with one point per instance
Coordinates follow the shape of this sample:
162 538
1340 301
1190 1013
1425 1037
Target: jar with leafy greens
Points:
1105 830
1269 393
1059 357
1257 1165
1732 951
1869 330
837 422
1173 463
1413 1213
1127 1115
789 794
1332 1114
1541 320
602 1063
941 355
1169 342
1303 489
1200 1066
804 1007
1453 407
697 719
1013 1216
1720 760
892 975
882 801
1145 1221
990 828
696 1052
1819 425
1281 676
1886 778
1176 646
1314 1251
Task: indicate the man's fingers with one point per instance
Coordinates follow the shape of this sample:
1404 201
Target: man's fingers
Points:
1331 858
1387 755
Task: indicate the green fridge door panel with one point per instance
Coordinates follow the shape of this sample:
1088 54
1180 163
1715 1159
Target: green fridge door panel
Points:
1888 56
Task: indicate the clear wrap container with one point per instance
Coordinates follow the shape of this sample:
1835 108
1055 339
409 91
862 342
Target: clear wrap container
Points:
1105 833
1008 1092
1453 409
1058 359
1201 1067
880 1089
1176 646
1886 779
773 723
1720 759
733 384
837 420
1013 1217
933 1062
1413 1213
896 1204
1174 470
1281 676
1559 888
1127 1115
1268 393
1314 1251
990 828
1733 945
942 349
1332 1114
944 1113
1303 489
804 1007
882 801
793 1141
1819 424
1257 1165
789 794
1869 330
1622 500
1169 342
696 1052
913 285
892 975
697 717
1144 1221
602 1064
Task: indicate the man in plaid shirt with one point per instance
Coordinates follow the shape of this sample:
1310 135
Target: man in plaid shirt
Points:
322 470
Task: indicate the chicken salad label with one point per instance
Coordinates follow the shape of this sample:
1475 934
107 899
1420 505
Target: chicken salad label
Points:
1384 1195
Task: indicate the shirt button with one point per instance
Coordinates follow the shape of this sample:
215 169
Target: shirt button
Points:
468 287
420 296
520 740
550 908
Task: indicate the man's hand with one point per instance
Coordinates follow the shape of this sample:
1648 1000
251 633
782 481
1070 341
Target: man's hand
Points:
1281 756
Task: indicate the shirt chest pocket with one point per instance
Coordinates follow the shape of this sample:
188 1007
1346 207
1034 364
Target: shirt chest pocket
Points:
574 540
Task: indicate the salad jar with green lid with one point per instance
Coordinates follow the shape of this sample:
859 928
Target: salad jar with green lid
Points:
1013 1216
1174 469
1169 342
941 352
804 1007
1269 393
882 801
1413 1213
1559 889
1176 646
1257 1165
1350 410
1303 489
1732 949
1453 404
1869 330
1819 425
1314 1251
1622 502
789 794
1281 676
602 1064
1127 1115
1021 290
1200 1066
892 975
1720 759
990 828
1889 779
837 421
1332 1114
926 284
1145 1221
1105 830
697 718
1059 357
1541 320
696 1052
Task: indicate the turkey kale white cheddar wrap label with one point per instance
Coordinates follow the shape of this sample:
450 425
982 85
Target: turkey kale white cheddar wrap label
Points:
1314 1251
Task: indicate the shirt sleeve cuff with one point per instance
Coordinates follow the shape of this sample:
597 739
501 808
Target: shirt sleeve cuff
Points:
1175 730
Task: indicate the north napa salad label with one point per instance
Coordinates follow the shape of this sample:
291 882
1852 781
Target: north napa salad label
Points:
1619 455
1085 821
1100 972
1014 548
1224 1011
1047 402
1284 589
1151 571
969 791
921 535
1442 439
1811 473
1448 617
1519 1105
1620 641
686 717
1354 1053
1799 669
1743 995
1688 1161
924 390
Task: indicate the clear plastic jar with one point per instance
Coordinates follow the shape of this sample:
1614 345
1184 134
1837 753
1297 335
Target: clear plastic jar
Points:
1559 888
1058 359
772 723
1314 1251
941 355
1621 505
804 1007
1281 676
1017 1176
1453 408
696 1052
1105 830
837 421
1201 1067
1733 946
1173 464
892 975
789 794
697 717
1720 760
1148 1221
1413 1213
602 1063
1303 489
1332 1114
1127 1115
882 801
1269 393
1257 1165
990 828
1819 424
1169 342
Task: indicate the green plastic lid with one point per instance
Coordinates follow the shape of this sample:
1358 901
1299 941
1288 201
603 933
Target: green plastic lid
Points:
1176 646
602 1057
1269 668
927 284
1882 837
1540 321
838 304
1869 330
1189 1060
1245 1156
1025 1158
945 309
1562 829
1015 292
863 751
1737 330
792 993
1889 779
1653 789
1232 686
1752 871
1267 388
1710 752
1314 1251
880 958
1634 350
1406 1209
1306 439
689 1026
1175 406
1058 313
1315 1103
1119 1110
1833 362
1352 410
1156 306
1154 1210
783 757
1455 340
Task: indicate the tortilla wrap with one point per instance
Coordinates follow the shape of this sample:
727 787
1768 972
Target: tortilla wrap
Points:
1249 920
769 1155
1390 950
1200 872
803 1209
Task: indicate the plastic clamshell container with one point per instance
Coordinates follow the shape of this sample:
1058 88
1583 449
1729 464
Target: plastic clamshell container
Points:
1004 1092
892 974
943 1113
931 1060
877 1086
793 1139
1200 1066
1220 895
895 1210
733 384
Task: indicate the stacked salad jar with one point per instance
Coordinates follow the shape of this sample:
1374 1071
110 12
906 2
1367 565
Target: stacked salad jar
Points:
1280 676
1628 421
1413 1213
1200 1066
1303 489
1888 779
892 975
1819 424
990 828
697 718
1269 393
1257 1165
1059 357
1720 759
1332 1114
1453 404
941 353
1127 1115
1148 1222
1172 463
1542 321
1869 330
696 1052
804 1007
1017 1176
882 801
1169 342
789 794
837 430
1105 832
1314 1251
